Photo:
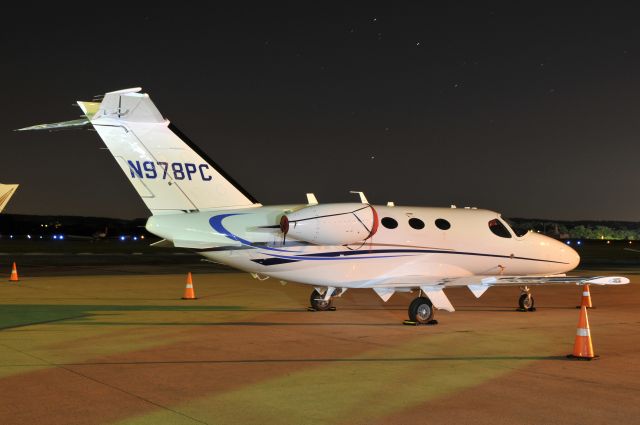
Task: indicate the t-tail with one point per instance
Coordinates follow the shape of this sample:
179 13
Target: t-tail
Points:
169 172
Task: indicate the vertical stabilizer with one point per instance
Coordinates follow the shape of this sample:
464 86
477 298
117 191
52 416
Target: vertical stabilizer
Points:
167 170
6 192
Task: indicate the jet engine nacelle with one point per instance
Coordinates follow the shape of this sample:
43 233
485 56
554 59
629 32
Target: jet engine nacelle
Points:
331 224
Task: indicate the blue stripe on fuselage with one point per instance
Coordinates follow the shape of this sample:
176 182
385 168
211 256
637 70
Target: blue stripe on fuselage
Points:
216 224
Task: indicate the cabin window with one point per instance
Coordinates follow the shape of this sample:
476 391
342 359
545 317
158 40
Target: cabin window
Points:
416 223
499 229
443 224
389 223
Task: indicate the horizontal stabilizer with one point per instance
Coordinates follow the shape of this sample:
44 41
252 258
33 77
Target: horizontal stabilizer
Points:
63 125
438 298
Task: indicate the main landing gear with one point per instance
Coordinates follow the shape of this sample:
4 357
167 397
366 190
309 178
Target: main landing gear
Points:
421 312
526 301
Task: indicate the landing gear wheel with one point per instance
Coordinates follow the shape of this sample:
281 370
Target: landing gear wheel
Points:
421 311
318 302
526 302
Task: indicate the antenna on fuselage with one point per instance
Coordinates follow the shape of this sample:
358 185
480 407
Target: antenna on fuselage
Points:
363 199
311 199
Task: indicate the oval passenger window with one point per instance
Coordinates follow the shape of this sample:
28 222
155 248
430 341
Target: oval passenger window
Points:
416 223
443 224
389 223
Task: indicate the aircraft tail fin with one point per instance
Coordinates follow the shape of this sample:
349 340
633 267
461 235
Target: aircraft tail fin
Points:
6 192
169 172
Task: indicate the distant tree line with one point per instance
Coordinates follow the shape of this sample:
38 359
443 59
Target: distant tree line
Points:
609 230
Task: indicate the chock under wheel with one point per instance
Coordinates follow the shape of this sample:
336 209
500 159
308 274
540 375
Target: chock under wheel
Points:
412 323
329 309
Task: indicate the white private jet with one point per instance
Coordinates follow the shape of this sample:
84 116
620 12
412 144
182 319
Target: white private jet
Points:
332 247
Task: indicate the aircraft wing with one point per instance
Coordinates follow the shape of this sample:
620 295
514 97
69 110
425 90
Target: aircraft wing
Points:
444 282
536 280
433 286
6 192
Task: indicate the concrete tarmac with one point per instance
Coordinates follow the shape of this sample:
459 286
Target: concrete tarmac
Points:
119 346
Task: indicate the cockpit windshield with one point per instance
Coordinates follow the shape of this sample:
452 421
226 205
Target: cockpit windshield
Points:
499 229
518 230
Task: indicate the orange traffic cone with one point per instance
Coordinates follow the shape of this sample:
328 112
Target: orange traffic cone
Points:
188 290
14 273
582 347
586 298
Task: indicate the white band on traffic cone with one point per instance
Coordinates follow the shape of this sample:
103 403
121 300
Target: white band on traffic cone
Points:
583 332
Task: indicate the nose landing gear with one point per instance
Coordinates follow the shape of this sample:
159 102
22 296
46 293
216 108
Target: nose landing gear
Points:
526 301
322 302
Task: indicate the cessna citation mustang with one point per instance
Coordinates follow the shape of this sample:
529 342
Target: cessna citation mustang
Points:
332 247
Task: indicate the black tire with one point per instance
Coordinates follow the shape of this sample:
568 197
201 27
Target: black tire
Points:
526 302
421 310
318 303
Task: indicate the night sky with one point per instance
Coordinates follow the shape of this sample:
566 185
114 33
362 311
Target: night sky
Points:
529 111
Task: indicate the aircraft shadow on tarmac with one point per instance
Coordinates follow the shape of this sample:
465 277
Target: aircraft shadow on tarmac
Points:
16 316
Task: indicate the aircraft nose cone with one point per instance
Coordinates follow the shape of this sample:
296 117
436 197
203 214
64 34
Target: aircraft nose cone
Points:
564 257
569 255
